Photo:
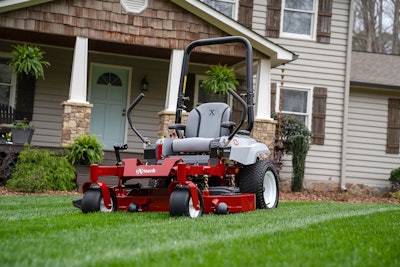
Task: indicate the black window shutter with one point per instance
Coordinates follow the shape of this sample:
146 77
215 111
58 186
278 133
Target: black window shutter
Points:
273 18
324 21
246 13
393 130
318 116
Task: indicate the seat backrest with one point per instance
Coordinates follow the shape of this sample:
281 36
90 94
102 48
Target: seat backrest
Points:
205 120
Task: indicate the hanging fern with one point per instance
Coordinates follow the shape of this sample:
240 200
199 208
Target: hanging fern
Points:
29 60
220 78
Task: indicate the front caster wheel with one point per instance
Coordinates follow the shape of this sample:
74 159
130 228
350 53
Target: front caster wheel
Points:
181 203
93 201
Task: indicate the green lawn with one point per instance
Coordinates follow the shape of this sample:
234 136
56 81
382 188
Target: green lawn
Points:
49 231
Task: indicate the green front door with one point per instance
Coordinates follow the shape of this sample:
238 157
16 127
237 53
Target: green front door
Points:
108 96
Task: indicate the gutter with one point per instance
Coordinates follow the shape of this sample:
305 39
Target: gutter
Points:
346 98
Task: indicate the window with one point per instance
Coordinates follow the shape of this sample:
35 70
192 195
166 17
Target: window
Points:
7 83
109 78
295 101
227 7
299 18
202 96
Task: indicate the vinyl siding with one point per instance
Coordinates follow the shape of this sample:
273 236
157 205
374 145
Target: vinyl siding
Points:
322 65
49 94
367 161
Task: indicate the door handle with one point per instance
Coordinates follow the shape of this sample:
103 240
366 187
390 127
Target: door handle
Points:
123 112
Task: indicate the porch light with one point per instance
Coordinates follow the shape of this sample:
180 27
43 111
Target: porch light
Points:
144 84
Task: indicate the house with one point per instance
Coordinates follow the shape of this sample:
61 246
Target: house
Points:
373 121
350 108
102 51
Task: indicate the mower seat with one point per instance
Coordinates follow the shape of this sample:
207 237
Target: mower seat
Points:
204 124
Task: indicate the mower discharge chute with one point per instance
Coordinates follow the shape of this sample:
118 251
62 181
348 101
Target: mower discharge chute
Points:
212 167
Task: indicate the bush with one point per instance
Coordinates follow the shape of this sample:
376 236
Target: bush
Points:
38 170
395 179
299 146
295 140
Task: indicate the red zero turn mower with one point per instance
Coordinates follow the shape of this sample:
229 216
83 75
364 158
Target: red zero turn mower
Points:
212 167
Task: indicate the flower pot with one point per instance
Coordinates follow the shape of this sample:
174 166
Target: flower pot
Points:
22 136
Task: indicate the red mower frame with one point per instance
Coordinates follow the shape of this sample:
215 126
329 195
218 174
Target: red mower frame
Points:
176 186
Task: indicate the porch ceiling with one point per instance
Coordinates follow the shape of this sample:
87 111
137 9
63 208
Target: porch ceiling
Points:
111 47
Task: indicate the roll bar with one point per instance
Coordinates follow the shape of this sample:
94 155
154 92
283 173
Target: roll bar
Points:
249 74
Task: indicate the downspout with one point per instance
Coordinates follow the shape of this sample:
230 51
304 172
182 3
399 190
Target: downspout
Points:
346 97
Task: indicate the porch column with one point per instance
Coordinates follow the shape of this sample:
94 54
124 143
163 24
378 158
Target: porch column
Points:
167 116
76 110
78 85
264 126
263 90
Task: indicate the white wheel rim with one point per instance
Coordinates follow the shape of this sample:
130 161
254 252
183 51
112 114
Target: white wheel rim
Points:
193 213
103 207
270 189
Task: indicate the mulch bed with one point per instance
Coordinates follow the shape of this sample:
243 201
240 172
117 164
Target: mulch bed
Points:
312 196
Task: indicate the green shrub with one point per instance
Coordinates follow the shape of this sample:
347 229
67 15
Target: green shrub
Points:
395 178
85 150
299 146
38 170
295 141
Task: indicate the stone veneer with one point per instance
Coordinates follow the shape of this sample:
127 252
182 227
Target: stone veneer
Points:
75 121
168 118
264 132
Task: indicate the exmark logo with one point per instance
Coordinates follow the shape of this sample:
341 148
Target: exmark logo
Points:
141 171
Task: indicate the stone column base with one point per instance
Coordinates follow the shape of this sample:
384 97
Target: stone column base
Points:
167 118
264 132
75 121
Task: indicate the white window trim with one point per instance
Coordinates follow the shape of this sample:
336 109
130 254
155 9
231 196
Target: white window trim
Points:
11 101
198 78
314 22
308 89
235 14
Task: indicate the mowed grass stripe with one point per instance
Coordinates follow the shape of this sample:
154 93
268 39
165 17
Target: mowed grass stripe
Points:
53 233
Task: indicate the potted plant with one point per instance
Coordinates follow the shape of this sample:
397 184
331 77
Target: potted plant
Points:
22 132
28 63
220 78
84 151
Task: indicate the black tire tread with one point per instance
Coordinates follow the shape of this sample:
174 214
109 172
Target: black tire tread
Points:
251 181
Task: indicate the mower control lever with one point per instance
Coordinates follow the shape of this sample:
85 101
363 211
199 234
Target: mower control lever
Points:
117 148
145 140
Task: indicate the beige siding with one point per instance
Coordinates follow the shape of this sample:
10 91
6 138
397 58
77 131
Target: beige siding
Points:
321 65
47 111
367 161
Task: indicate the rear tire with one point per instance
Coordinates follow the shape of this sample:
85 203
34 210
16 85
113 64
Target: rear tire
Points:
261 179
181 203
93 201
